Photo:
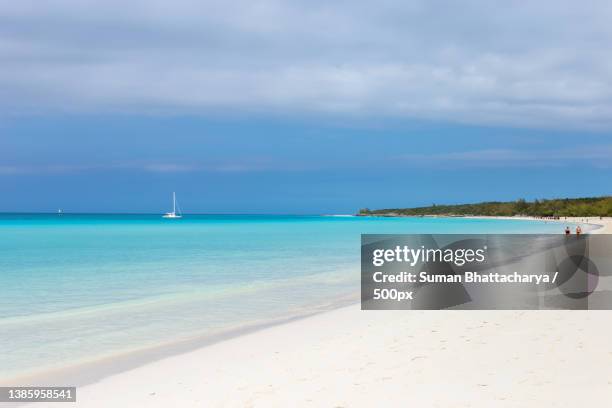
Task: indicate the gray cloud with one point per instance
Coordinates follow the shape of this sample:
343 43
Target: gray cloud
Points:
542 63
154 167
594 156
597 156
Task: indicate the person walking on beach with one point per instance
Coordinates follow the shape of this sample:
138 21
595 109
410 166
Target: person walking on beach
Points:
578 230
567 231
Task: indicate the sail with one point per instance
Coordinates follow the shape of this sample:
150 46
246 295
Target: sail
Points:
173 214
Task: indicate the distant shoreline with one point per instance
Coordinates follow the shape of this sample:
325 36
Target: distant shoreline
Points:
601 226
596 225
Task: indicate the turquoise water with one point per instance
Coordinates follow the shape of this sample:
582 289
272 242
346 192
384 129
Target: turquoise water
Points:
81 287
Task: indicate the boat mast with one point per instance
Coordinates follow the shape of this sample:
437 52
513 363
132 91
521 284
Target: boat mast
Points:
173 202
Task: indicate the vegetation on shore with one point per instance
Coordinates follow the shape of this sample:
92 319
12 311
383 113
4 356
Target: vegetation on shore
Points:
568 207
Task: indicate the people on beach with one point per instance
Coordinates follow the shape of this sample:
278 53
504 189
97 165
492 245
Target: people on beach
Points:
567 231
578 230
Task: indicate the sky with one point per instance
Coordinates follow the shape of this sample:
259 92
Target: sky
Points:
301 106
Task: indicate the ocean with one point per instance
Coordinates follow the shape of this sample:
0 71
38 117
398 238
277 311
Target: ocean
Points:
77 288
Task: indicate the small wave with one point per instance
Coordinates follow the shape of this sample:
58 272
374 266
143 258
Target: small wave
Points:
177 297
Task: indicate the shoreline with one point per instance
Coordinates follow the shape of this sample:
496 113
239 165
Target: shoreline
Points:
90 371
596 225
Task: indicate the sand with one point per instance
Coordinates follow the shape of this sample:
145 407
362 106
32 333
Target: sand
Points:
353 358
596 225
604 225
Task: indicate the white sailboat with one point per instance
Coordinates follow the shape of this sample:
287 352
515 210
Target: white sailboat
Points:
174 213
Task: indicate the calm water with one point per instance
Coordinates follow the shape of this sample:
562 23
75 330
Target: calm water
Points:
80 287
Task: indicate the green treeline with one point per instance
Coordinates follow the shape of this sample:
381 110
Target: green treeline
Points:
568 207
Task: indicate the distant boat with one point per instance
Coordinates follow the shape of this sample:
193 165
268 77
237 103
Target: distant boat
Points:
60 211
174 213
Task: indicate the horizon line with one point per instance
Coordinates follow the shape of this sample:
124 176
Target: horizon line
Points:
154 213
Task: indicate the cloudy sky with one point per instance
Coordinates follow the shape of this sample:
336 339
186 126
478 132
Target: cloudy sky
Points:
301 106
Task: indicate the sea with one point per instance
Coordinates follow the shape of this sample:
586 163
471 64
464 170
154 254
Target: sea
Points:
76 288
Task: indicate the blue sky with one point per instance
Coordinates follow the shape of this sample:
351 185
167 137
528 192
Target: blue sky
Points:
301 107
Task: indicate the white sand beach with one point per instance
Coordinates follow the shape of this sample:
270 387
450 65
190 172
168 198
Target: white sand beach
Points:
353 358
597 225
